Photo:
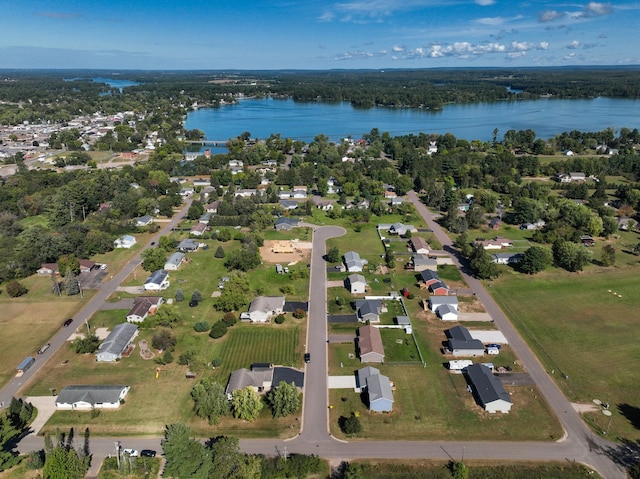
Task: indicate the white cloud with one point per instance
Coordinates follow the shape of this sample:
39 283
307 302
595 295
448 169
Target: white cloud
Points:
549 15
360 55
398 48
573 45
543 45
326 17
596 8
491 21
485 3
514 49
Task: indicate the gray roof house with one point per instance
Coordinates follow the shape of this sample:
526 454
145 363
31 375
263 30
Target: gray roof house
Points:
462 344
188 244
174 261
370 348
447 312
125 241
353 262
157 281
261 377
356 283
118 340
437 301
143 220
378 389
369 310
263 307
91 397
488 389
286 223
288 204
422 262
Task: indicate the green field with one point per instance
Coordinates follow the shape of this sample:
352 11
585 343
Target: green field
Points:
583 328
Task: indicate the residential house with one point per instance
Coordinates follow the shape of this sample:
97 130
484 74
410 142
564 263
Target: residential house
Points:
432 148
188 245
125 241
158 281
436 302
184 192
378 389
47 269
396 201
145 220
85 397
356 283
261 377
533 226
421 262
429 277
462 344
299 192
174 261
577 176
390 194
236 164
439 288
507 258
288 204
496 243
488 389
246 192
198 229
369 343
117 342
363 204
419 245
286 223
447 312
624 223
143 306
369 310
212 207
263 308
400 229
463 207
325 205
353 262
587 240
205 218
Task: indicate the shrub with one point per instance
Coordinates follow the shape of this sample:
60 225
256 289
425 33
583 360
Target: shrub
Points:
219 252
350 425
15 289
299 313
166 358
216 362
86 345
230 318
218 330
279 319
186 358
179 296
201 326
196 296
164 340
286 289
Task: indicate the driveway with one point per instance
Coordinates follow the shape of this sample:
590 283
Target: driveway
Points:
46 406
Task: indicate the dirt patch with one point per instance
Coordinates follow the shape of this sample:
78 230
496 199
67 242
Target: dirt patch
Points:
101 334
473 306
585 407
145 351
285 252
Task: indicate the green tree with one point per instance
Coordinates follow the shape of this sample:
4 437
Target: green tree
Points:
71 285
62 461
350 425
223 235
570 256
15 289
153 259
218 329
196 295
333 255
595 226
164 340
210 400
196 210
219 252
235 294
179 297
536 259
284 399
608 255
185 456
246 404
8 457
482 264
230 463
86 345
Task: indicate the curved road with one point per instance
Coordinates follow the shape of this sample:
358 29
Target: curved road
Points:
579 443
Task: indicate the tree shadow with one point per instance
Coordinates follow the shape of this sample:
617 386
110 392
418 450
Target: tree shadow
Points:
632 413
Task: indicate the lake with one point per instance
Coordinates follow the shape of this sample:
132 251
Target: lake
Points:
303 121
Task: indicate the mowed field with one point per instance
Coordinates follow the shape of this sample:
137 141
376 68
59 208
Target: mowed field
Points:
584 328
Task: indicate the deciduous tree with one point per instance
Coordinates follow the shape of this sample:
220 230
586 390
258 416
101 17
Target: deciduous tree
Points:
210 400
246 404
536 259
284 399
185 456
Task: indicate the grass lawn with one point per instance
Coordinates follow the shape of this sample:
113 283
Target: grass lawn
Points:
399 346
584 328
139 468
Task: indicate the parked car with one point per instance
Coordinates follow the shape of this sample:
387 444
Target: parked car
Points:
67 322
148 453
44 348
130 452
104 266
193 303
307 358
497 346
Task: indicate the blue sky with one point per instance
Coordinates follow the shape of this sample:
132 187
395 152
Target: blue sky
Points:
309 34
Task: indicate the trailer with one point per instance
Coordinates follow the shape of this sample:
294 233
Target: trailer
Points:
25 365
459 364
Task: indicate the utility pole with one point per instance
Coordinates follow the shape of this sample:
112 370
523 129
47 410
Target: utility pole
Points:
118 454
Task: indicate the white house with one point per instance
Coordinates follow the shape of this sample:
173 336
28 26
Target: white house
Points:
145 220
356 283
378 388
83 397
263 308
353 262
117 342
143 306
174 261
125 241
447 312
158 281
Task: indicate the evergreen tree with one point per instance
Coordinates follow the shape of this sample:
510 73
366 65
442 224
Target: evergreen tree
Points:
186 457
219 252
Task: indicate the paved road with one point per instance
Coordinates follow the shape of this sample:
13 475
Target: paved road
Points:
13 387
315 415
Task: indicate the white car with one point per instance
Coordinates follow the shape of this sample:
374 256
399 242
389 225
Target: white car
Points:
130 452
104 266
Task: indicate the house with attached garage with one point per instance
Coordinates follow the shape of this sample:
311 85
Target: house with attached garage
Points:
286 223
439 289
356 283
262 377
353 262
419 245
288 204
47 269
488 389
263 308
143 306
446 312
84 397
369 310
198 229
462 344
507 258
145 220
437 301
188 245
421 262
117 342
377 387
370 348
